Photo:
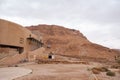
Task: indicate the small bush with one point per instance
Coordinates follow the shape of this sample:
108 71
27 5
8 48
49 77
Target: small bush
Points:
16 65
95 71
104 69
88 69
96 68
110 73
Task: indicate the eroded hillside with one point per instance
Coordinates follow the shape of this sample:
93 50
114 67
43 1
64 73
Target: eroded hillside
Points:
71 42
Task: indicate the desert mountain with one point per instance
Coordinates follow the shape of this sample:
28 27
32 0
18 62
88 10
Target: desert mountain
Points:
70 42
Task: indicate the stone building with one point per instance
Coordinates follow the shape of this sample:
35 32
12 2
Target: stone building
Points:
18 41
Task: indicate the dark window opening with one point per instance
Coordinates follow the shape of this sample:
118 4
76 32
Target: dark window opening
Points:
19 49
50 57
21 40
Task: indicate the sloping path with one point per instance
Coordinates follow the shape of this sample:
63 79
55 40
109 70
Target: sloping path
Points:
10 73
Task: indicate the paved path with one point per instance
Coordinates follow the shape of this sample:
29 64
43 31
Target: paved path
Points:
10 73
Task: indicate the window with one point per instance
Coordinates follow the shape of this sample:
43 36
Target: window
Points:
21 40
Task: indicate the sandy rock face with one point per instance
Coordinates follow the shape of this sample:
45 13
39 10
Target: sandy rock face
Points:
71 42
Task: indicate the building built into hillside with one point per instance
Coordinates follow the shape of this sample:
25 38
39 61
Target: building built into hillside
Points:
21 41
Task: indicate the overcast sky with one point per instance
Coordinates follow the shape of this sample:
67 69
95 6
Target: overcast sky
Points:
98 20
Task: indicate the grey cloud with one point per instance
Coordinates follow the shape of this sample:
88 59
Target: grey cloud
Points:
95 10
89 16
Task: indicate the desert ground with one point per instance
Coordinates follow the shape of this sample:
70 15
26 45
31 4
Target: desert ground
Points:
57 72
62 72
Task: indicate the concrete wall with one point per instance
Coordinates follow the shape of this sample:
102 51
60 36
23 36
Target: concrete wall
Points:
12 34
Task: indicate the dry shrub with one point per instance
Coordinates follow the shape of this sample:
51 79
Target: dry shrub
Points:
104 69
96 70
110 73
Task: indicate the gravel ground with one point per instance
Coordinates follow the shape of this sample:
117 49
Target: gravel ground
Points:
52 72
57 72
